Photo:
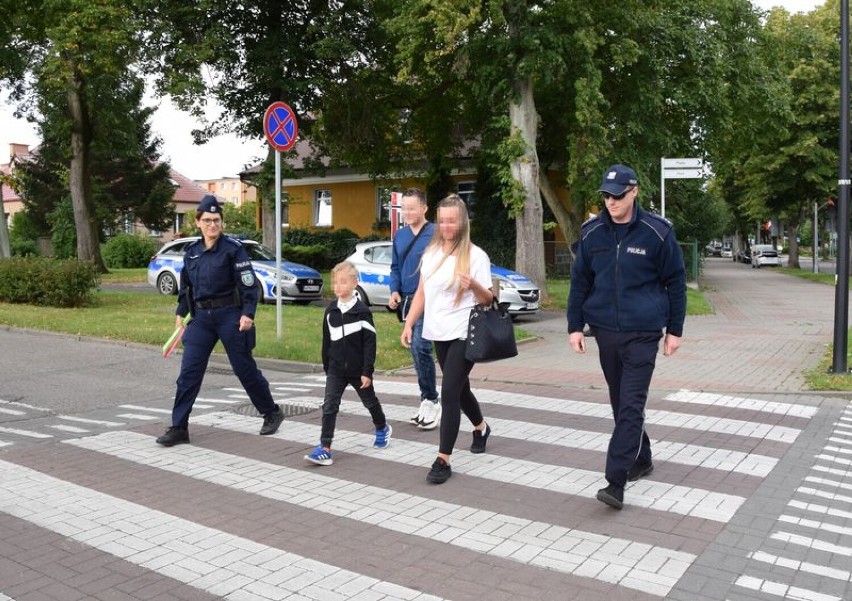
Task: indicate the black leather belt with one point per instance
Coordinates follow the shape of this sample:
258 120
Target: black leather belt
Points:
216 303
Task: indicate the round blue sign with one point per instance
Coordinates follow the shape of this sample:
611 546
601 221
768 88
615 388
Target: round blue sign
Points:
280 126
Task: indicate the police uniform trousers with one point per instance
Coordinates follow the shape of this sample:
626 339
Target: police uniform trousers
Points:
207 327
627 360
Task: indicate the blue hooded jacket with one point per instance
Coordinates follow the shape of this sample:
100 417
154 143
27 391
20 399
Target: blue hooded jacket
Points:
637 284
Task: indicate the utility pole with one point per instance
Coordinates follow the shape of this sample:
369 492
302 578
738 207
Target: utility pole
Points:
841 284
5 248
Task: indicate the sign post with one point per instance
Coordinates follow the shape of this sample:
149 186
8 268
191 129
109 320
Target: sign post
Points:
281 129
677 169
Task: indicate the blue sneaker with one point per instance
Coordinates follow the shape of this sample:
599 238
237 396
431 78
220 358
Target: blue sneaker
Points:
383 437
320 456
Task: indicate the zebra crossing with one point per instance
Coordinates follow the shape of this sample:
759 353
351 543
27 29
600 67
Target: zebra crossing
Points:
808 554
519 522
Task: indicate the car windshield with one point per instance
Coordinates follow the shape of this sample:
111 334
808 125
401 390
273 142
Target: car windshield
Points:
258 252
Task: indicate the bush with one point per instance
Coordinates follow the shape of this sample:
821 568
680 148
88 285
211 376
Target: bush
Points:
50 282
314 255
125 251
336 245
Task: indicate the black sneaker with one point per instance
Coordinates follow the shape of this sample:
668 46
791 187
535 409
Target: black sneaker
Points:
639 470
612 495
174 436
271 422
479 440
440 472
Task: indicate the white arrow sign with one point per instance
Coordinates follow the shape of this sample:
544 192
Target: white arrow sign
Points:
682 163
683 173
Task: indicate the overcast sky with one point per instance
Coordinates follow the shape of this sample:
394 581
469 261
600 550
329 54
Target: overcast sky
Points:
223 156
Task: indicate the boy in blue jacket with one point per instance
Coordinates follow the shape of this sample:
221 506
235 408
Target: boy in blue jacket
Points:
348 355
628 283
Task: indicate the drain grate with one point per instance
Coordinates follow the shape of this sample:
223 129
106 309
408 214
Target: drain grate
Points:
291 409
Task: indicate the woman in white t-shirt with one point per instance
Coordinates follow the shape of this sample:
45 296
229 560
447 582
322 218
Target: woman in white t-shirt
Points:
455 275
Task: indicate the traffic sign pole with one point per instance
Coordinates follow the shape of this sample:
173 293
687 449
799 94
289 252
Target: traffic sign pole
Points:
281 128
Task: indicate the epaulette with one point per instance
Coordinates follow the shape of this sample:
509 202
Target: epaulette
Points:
591 219
658 223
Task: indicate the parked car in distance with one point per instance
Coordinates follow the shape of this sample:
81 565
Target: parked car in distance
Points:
373 260
727 252
744 256
299 284
764 255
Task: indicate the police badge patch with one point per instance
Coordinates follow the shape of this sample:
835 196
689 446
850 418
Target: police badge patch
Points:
247 277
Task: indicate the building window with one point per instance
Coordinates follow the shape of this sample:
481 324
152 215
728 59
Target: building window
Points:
127 224
180 219
467 192
322 208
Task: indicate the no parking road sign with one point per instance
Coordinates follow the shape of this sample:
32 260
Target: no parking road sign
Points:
280 126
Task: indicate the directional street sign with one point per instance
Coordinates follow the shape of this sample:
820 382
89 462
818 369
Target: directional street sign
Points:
682 163
683 173
280 126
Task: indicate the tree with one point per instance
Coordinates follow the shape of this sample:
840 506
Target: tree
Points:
67 58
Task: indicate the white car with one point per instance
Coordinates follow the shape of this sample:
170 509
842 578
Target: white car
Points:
299 284
764 255
373 260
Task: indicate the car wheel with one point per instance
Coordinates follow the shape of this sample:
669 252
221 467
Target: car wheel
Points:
362 296
166 283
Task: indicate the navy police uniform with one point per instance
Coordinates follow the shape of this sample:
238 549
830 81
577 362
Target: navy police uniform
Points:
628 284
218 286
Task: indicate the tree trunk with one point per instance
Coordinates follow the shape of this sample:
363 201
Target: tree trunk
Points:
529 253
80 178
792 236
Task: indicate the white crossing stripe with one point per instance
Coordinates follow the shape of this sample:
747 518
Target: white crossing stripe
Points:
291 388
816 525
3 443
737 427
94 422
12 411
685 454
802 566
149 409
823 509
724 400
824 495
27 433
649 568
827 482
216 401
208 559
5 598
662 496
138 416
811 543
69 429
24 405
784 591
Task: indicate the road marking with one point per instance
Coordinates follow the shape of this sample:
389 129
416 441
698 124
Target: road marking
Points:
811 543
149 409
25 406
208 559
784 591
649 568
27 433
802 566
137 416
671 419
724 400
69 429
660 496
12 411
95 422
685 454
217 401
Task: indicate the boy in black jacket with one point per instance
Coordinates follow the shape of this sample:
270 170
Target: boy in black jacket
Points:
348 354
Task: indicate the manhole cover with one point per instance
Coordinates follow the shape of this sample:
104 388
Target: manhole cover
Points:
290 409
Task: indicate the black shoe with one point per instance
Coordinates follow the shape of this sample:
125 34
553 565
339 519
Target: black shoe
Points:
612 495
440 472
479 440
174 436
271 422
639 470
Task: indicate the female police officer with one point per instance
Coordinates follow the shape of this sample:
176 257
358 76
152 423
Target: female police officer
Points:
218 286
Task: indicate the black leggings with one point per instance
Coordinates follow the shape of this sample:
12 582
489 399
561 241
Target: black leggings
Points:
456 396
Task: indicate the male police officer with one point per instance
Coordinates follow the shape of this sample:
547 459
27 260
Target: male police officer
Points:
628 283
219 287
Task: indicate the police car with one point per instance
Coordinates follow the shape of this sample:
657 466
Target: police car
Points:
299 284
373 260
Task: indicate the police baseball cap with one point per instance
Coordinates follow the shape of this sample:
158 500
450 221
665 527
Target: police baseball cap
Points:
617 180
209 204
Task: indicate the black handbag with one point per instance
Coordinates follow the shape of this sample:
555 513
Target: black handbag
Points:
490 334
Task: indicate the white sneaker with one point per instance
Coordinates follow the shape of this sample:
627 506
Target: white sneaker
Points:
431 416
416 420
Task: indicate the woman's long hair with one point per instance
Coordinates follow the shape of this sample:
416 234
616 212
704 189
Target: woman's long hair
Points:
461 244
